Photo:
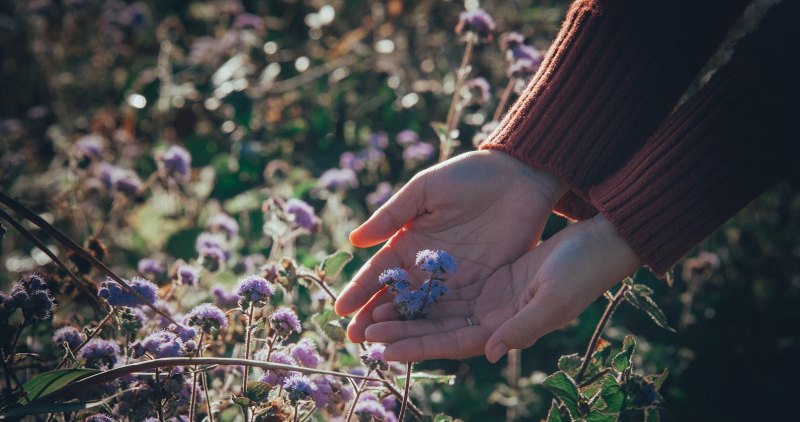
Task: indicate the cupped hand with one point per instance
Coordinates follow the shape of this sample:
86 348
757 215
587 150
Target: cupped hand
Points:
541 291
485 208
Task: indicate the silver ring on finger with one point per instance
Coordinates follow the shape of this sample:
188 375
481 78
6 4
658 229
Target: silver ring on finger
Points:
470 323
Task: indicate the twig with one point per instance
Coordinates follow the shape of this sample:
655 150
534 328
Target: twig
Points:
504 99
599 330
247 337
406 388
452 120
359 390
100 326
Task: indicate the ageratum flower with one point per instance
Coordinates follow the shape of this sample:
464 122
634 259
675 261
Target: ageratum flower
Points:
208 317
176 162
128 182
480 89
332 395
418 153
89 146
305 353
223 223
275 377
436 262
253 290
369 407
383 192
411 304
373 358
150 266
116 296
302 213
161 344
30 295
338 179
70 336
99 353
100 417
299 388
285 322
476 21
131 320
406 137
212 258
185 333
223 298
188 275
437 289
396 279
379 140
510 40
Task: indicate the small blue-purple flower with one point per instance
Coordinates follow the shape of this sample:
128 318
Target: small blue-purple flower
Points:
511 40
223 298
369 408
406 137
128 182
396 279
383 192
299 388
161 344
437 289
116 296
411 304
100 354
212 258
32 297
89 146
176 162
285 322
70 336
338 179
331 394
253 290
100 417
223 223
150 266
349 160
184 332
305 353
302 213
208 317
275 377
373 358
480 89
188 275
379 140
418 153
476 21
436 262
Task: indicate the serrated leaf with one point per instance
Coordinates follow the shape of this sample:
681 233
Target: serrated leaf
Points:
330 324
657 379
52 381
622 361
570 364
600 416
650 307
612 395
332 264
257 391
554 415
563 386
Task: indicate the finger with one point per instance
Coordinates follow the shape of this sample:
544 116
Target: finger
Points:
392 216
363 319
459 344
537 318
392 331
457 309
365 283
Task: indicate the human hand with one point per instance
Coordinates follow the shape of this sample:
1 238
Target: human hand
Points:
485 208
519 303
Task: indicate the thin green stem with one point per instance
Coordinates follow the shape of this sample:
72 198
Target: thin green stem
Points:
248 335
601 325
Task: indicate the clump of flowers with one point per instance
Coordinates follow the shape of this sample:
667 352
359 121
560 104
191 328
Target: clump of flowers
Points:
276 376
302 213
299 388
70 336
415 303
188 275
285 322
208 317
305 353
176 163
116 296
223 223
253 291
32 297
477 22
373 358
100 354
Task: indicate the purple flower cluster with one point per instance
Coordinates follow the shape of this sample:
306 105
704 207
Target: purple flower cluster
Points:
480 90
383 192
223 298
332 395
100 354
373 358
208 317
70 336
299 388
476 21
415 303
303 214
123 180
89 146
151 266
161 344
100 417
223 223
253 290
213 250
30 296
285 322
416 154
188 275
305 353
523 60
338 179
116 296
176 162
369 406
275 377
131 320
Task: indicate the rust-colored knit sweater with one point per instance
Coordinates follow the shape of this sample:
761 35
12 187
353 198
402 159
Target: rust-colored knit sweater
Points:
599 114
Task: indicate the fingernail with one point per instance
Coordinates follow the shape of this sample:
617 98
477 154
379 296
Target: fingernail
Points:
498 351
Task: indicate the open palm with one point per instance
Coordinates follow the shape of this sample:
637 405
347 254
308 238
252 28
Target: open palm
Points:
541 291
485 208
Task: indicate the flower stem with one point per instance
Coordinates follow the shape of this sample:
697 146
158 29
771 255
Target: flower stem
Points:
192 400
452 113
248 335
406 389
94 332
504 99
295 411
601 325
355 400
158 402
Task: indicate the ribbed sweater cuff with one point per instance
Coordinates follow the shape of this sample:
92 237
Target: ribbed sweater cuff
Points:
614 72
708 160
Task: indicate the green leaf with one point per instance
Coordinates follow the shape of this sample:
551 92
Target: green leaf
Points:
622 361
50 382
641 289
563 386
242 401
646 304
332 264
35 409
330 324
554 415
612 395
441 417
600 416
257 391
657 379
570 364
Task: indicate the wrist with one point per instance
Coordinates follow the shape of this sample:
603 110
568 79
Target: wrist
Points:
550 186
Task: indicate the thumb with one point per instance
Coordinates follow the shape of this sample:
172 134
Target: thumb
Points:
522 330
393 215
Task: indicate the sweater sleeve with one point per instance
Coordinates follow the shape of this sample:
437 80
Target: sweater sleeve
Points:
717 152
614 72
